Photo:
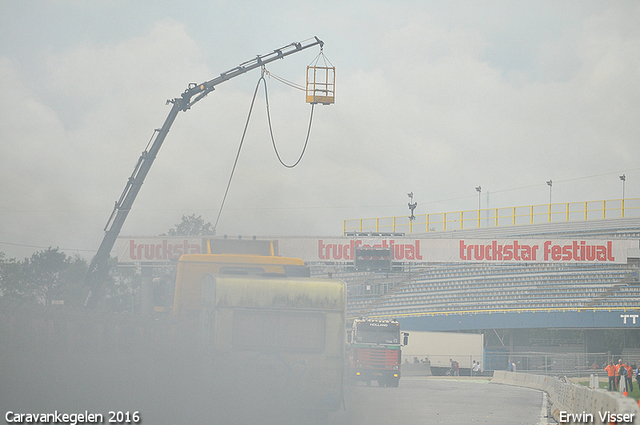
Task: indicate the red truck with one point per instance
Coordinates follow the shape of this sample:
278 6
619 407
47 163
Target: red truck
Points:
375 352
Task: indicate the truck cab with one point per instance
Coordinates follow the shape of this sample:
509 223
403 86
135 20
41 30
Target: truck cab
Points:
375 352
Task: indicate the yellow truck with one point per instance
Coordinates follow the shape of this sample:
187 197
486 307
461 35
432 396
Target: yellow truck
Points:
192 267
271 336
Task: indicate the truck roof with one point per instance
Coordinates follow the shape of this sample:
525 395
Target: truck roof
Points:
240 259
374 320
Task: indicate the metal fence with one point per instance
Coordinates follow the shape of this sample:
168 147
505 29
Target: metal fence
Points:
541 363
552 363
497 217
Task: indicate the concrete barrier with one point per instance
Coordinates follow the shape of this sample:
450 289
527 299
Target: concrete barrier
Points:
567 398
415 369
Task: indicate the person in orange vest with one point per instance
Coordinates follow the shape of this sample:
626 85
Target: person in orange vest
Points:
611 373
629 377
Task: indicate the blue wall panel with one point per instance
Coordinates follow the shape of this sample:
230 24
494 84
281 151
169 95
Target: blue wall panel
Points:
524 320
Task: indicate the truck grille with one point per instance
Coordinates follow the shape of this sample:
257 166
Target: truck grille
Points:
378 358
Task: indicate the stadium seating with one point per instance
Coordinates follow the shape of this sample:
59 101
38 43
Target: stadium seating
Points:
482 287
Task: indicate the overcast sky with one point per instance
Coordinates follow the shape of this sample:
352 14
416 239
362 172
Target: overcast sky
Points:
432 97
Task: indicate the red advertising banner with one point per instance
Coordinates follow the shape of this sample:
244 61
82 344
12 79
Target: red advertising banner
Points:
156 249
164 249
463 250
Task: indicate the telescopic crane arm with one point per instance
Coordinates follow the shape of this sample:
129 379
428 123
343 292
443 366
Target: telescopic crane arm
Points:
98 269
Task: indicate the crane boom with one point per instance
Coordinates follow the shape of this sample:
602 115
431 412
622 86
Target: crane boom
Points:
98 268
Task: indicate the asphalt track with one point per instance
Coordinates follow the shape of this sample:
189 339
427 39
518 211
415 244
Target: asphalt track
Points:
170 399
427 401
169 384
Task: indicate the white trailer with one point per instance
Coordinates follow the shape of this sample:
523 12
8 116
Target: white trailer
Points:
442 347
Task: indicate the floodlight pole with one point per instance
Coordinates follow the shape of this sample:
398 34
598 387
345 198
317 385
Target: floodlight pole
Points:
624 179
479 190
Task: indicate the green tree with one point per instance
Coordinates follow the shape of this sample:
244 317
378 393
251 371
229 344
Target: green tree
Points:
45 276
74 291
10 277
42 275
192 226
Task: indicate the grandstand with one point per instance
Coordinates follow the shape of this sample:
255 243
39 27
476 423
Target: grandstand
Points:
446 288
516 301
479 287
